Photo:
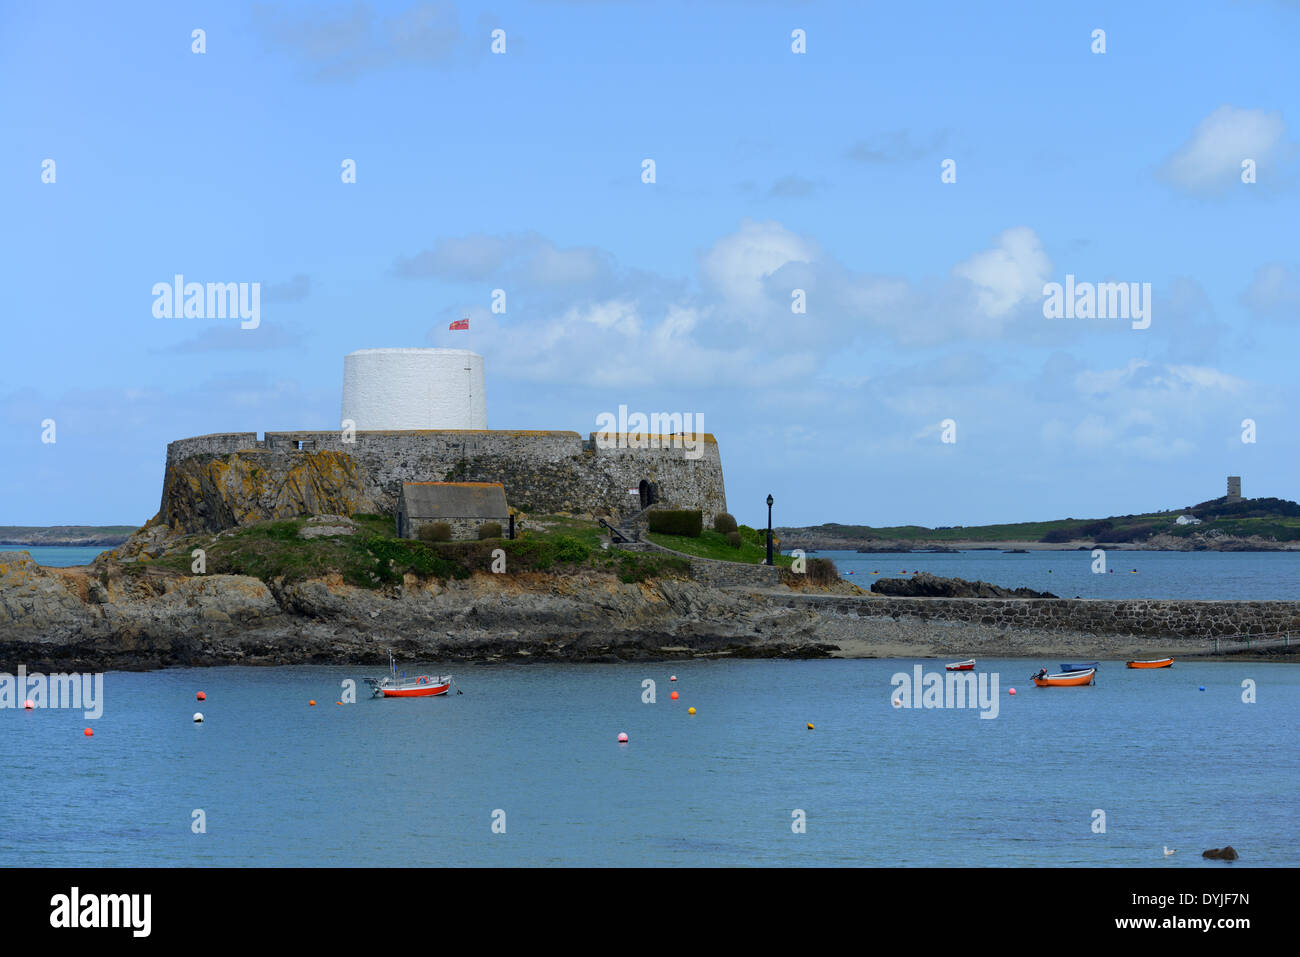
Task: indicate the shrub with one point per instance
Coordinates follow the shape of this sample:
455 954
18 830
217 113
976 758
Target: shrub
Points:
281 531
819 571
734 539
570 549
435 532
674 521
639 567
489 530
724 522
822 571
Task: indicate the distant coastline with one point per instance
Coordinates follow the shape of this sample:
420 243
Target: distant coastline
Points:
812 539
77 536
1226 524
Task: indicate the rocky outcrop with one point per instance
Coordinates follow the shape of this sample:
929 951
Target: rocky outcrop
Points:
208 493
1221 853
136 617
925 585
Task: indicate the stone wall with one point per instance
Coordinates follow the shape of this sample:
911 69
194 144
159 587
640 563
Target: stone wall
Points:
541 471
462 529
717 573
1205 620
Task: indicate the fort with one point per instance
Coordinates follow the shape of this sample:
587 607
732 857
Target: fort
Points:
215 481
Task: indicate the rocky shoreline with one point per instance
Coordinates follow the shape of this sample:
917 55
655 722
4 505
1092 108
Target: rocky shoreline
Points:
111 616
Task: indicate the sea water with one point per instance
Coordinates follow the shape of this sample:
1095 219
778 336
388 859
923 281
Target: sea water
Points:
1238 576
524 768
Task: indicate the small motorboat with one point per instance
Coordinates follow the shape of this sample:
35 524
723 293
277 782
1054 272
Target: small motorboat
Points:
421 686
1079 666
1066 680
1152 663
967 665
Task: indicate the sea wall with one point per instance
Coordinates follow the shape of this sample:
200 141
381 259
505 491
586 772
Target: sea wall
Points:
1139 618
541 471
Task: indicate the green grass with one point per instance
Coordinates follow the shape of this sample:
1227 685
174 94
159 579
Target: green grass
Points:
374 558
274 550
549 527
713 544
1281 529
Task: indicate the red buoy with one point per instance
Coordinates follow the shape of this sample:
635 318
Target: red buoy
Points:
201 696
89 733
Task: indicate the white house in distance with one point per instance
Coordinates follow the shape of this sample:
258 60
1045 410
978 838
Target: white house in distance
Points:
1187 520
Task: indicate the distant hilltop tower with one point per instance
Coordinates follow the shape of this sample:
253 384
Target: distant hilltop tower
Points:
406 389
1234 488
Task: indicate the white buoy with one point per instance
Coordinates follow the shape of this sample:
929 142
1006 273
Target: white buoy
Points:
198 717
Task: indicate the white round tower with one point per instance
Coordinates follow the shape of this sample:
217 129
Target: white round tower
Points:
399 389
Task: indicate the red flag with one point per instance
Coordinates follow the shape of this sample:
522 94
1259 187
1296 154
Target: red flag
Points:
459 324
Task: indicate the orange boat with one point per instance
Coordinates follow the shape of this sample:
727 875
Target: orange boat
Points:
1153 663
1065 680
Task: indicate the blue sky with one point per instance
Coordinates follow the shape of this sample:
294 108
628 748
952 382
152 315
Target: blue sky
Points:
774 171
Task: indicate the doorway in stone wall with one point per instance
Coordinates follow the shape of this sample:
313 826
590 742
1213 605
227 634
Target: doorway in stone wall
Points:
649 493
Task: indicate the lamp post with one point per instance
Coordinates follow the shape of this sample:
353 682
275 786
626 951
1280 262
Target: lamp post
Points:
769 530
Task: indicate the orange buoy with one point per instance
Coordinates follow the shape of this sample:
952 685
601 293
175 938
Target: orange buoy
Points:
338 702
201 696
673 696
88 733
312 703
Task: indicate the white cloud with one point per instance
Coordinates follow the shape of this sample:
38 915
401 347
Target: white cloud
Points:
1275 291
1210 161
1008 275
506 260
335 42
738 264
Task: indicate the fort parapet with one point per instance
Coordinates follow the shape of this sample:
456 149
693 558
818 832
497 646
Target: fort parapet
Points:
541 471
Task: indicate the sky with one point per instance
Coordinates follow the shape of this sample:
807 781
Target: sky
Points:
916 178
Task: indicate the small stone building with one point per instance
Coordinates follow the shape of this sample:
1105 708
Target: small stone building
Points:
464 506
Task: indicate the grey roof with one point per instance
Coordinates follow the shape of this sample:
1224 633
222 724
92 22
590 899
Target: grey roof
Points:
454 500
